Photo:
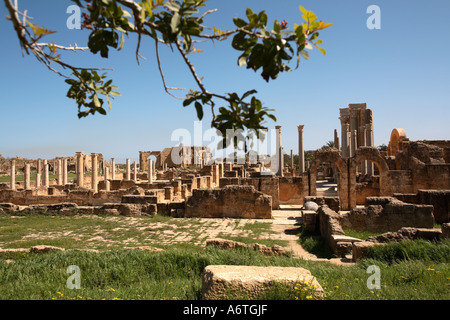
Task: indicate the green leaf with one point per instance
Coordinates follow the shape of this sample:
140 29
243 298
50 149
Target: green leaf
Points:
199 108
239 22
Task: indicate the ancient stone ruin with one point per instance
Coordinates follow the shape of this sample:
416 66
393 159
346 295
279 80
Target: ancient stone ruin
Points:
353 184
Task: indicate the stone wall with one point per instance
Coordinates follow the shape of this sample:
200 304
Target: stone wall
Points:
439 199
331 202
267 185
389 215
291 190
229 202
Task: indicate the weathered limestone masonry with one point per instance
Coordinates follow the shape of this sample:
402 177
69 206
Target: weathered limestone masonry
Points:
229 202
439 199
221 281
388 214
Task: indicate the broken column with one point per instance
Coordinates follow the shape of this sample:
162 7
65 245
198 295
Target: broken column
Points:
94 173
27 181
336 140
80 169
38 173
301 151
353 143
279 152
107 182
46 181
65 176
150 171
134 172
370 143
113 168
13 175
128 170
60 172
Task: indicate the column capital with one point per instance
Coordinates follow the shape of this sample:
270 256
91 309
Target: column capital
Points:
300 127
277 127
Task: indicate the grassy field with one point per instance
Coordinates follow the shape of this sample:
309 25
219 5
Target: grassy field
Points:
415 270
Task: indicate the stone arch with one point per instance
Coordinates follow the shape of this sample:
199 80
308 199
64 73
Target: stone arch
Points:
144 155
332 156
373 155
398 135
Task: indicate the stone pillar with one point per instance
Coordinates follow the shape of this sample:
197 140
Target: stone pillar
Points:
94 172
13 175
65 176
280 156
150 171
60 172
46 181
292 160
27 181
38 173
370 143
336 140
353 143
128 170
113 169
301 151
348 141
364 144
80 169
106 176
135 172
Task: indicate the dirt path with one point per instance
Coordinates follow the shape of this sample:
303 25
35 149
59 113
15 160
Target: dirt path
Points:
287 222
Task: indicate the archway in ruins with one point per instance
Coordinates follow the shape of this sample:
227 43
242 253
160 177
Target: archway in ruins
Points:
143 159
380 177
331 156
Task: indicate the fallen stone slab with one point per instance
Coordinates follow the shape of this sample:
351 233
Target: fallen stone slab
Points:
359 249
224 282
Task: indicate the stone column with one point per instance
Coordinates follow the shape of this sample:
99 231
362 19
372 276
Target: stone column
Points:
94 172
65 176
60 172
280 156
38 173
27 181
106 177
46 181
128 170
348 141
292 160
364 143
336 140
113 169
80 169
370 143
150 171
353 143
135 172
13 175
301 151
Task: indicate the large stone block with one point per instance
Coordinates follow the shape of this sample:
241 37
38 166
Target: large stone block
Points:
230 202
222 281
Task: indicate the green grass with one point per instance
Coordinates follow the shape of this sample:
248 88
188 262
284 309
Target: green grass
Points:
21 177
411 270
176 274
363 235
419 250
313 243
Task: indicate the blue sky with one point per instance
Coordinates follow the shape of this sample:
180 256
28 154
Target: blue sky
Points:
402 72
